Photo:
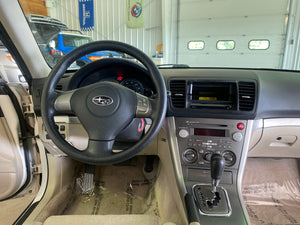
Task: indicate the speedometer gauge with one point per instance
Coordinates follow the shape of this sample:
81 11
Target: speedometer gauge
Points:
134 85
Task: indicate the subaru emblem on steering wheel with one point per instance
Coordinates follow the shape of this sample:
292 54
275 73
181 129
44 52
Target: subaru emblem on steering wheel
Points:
102 100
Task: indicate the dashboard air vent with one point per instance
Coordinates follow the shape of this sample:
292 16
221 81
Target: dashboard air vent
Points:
246 96
178 93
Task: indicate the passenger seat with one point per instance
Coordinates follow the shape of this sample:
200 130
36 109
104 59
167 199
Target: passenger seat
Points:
103 220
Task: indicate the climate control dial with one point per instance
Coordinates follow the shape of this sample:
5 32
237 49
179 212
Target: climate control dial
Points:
190 155
229 157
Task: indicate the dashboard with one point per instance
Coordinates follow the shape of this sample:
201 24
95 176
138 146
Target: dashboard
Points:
269 98
275 94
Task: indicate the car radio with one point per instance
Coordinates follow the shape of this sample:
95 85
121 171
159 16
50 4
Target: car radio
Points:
198 139
212 95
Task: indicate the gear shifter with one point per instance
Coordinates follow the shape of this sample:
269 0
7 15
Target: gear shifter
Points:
212 199
217 164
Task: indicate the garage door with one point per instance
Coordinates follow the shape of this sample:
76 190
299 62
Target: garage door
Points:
232 33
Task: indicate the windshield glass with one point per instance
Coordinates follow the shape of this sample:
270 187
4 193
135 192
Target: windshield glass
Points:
234 34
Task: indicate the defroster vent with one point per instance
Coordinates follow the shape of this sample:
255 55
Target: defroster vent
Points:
246 96
178 93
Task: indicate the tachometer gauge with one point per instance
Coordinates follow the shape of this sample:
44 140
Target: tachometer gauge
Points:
134 85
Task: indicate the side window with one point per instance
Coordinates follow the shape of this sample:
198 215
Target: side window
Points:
9 70
69 41
259 44
196 45
226 45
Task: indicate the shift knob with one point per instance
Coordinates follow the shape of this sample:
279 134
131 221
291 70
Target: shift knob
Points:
217 164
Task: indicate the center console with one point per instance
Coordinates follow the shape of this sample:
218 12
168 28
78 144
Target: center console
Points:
198 140
195 141
210 124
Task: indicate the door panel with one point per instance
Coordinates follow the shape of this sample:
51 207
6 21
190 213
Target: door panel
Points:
13 170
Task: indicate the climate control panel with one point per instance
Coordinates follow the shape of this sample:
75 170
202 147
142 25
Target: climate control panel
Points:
198 139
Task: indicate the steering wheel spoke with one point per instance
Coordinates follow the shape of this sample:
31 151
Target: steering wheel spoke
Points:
62 103
99 149
144 106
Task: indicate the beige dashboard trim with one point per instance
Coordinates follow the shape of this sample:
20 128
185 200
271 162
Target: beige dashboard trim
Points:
281 122
278 137
243 161
171 131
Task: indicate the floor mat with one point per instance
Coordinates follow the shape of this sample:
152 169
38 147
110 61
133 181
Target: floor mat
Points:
122 189
271 191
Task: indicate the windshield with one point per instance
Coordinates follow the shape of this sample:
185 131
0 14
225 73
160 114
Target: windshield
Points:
234 34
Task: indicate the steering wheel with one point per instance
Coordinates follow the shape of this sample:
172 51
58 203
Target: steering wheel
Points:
104 108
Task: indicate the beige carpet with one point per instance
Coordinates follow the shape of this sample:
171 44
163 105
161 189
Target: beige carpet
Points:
271 191
122 189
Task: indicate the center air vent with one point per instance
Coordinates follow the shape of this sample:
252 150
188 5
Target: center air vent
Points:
178 93
246 96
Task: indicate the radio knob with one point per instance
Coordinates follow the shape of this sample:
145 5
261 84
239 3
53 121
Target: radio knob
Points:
190 155
237 136
183 133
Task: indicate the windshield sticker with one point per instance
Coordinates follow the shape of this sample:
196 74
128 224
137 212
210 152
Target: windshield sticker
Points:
135 14
86 14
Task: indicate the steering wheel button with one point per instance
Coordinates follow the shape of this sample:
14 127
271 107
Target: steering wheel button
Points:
142 109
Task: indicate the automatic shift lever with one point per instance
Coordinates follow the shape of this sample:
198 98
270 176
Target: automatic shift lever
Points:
217 164
213 200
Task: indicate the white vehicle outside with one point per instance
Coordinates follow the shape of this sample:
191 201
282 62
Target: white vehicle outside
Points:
9 70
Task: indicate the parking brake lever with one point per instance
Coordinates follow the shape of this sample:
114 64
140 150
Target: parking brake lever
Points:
217 164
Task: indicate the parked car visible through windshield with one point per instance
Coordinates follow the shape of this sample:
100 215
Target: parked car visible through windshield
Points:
55 39
9 70
67 40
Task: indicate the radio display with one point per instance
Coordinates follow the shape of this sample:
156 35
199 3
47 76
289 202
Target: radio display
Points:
212 92
209 132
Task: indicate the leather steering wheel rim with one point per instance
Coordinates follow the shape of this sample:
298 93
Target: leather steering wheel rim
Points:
50 96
